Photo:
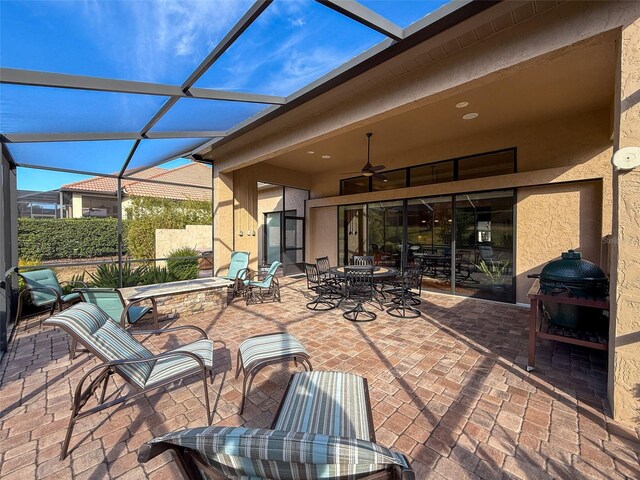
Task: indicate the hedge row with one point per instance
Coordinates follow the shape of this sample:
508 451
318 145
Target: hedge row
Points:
48 239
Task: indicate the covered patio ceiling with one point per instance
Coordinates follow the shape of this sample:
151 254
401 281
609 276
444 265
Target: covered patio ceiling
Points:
86 119
550 87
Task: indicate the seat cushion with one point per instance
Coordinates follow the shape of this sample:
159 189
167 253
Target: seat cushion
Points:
71 297
169 367
252 453
255 350
95 330
328 403
136 313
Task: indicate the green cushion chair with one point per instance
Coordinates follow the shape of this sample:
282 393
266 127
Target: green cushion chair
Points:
45 290
112 303
237 271
267 287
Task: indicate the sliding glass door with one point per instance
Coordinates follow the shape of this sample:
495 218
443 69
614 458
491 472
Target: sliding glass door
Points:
420 232
386 232
429 227
484 245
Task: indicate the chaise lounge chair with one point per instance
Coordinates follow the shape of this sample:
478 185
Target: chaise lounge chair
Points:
301 443
237 271
122 354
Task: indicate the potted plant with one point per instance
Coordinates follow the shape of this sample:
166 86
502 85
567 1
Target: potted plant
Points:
495 272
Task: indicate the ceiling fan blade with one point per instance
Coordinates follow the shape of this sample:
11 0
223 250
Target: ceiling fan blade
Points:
350 173
377 168
379 176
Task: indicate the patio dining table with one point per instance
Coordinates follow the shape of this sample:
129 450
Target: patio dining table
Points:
379 272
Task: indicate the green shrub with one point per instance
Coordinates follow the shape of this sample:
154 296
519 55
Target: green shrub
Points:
157 274
106 275
183 268
147 214
50 239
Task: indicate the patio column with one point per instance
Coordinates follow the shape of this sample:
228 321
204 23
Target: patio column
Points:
8 246
624 354
222 218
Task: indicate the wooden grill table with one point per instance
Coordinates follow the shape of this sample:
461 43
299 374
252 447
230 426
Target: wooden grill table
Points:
539 325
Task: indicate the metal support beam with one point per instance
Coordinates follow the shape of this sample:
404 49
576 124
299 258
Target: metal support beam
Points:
119 196
247 19
34 78
361 14
96 136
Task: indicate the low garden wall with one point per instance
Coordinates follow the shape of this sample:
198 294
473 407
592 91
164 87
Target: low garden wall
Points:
197 302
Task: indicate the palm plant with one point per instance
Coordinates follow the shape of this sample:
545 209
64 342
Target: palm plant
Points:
107 275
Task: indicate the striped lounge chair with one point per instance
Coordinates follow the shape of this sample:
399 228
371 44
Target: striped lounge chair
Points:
120 353
323 430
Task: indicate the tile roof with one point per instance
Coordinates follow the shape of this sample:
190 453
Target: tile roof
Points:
191 174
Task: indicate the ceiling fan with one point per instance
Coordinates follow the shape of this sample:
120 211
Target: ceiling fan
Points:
370 170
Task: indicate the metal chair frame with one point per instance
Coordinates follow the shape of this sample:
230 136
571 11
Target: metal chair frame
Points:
405 295
320 287
359 287
107 368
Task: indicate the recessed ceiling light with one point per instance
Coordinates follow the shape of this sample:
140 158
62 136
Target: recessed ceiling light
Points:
424 221
470 116
385 179
326 156
311 152
462 104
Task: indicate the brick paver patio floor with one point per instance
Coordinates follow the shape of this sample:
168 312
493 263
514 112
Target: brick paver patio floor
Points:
448 389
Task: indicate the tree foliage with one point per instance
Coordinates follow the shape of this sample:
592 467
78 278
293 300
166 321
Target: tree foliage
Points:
183 268
147 214
50 239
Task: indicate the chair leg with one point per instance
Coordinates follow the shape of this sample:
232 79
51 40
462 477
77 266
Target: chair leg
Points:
238 363
67 438
206 397
357 311
74 345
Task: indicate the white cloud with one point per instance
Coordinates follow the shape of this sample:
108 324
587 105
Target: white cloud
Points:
147 38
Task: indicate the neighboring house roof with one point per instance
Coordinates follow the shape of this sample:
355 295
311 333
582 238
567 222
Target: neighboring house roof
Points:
191 174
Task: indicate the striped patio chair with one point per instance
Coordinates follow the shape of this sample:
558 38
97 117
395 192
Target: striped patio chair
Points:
120 353
324 430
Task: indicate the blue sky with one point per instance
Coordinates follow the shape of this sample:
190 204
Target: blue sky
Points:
293 43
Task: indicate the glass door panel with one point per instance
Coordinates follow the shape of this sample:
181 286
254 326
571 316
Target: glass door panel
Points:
293 258
352 232
385 222
272 237
484 245
429 226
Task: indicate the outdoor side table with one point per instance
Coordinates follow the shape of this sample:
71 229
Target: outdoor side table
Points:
257 352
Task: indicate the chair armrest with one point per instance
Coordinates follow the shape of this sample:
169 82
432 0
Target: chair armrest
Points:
43 289
74 282
168 330
154 310
221 269
94 289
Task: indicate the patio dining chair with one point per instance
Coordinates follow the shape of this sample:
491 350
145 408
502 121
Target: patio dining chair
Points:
362 260
406 294
320 286
46 290
268 287
237 271
120 353
359 288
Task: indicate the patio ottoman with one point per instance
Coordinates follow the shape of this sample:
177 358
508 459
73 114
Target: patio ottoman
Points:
259 351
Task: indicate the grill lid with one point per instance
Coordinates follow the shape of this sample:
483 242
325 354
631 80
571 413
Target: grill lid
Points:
572 269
